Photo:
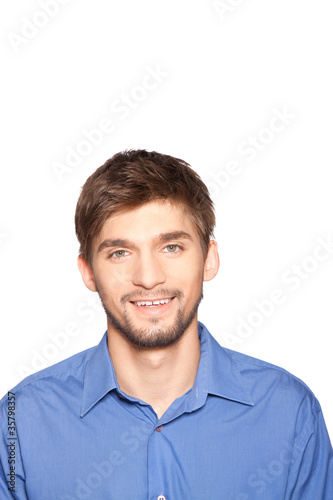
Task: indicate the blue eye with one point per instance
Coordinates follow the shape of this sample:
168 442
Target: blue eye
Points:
173 247
120 254
117 252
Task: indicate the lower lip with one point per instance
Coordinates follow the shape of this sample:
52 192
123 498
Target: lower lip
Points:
153 310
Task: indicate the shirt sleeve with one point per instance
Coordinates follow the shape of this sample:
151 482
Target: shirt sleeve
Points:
12 481
311 470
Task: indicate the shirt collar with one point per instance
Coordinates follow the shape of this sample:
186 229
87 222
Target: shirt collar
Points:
217 374
224 378
99 378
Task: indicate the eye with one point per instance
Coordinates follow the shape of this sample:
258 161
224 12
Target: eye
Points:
173 248
119 256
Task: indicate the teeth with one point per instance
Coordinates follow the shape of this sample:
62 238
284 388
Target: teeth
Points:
149 303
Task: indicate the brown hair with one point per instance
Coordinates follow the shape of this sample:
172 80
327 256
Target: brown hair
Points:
134 177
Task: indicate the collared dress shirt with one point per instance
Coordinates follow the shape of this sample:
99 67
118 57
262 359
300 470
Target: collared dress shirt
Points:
245 430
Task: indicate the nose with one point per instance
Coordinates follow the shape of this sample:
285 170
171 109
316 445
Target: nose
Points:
148 271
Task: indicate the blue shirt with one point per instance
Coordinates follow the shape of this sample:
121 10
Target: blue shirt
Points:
246 430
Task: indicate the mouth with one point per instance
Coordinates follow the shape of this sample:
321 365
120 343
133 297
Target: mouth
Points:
153 306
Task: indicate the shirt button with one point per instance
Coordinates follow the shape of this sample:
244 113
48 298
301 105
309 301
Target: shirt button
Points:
161 497
158 429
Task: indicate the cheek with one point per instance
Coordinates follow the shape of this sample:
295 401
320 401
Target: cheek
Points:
111 280
189 270
118 279
189 277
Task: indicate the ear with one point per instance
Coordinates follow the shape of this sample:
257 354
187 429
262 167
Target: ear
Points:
212 262
86 273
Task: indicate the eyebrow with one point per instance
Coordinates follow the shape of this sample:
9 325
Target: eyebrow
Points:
161 238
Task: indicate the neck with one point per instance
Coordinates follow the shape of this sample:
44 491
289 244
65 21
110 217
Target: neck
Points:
156 376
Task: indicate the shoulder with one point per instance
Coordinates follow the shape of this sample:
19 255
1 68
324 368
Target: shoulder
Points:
269 386
72 368
267 381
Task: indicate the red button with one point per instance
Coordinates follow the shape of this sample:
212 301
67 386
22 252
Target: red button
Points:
159 428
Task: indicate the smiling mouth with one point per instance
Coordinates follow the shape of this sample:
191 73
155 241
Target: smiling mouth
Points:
152 303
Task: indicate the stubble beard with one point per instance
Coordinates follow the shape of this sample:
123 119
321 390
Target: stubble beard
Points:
153 337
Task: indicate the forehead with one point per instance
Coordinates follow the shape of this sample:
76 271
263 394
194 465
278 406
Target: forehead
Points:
147 221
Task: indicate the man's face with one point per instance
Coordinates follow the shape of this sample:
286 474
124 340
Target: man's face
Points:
149 253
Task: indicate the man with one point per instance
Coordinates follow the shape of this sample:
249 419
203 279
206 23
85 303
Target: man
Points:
158 410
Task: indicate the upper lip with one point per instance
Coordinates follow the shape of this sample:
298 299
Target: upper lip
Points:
151 300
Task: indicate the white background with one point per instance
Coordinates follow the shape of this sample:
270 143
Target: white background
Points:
224 74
